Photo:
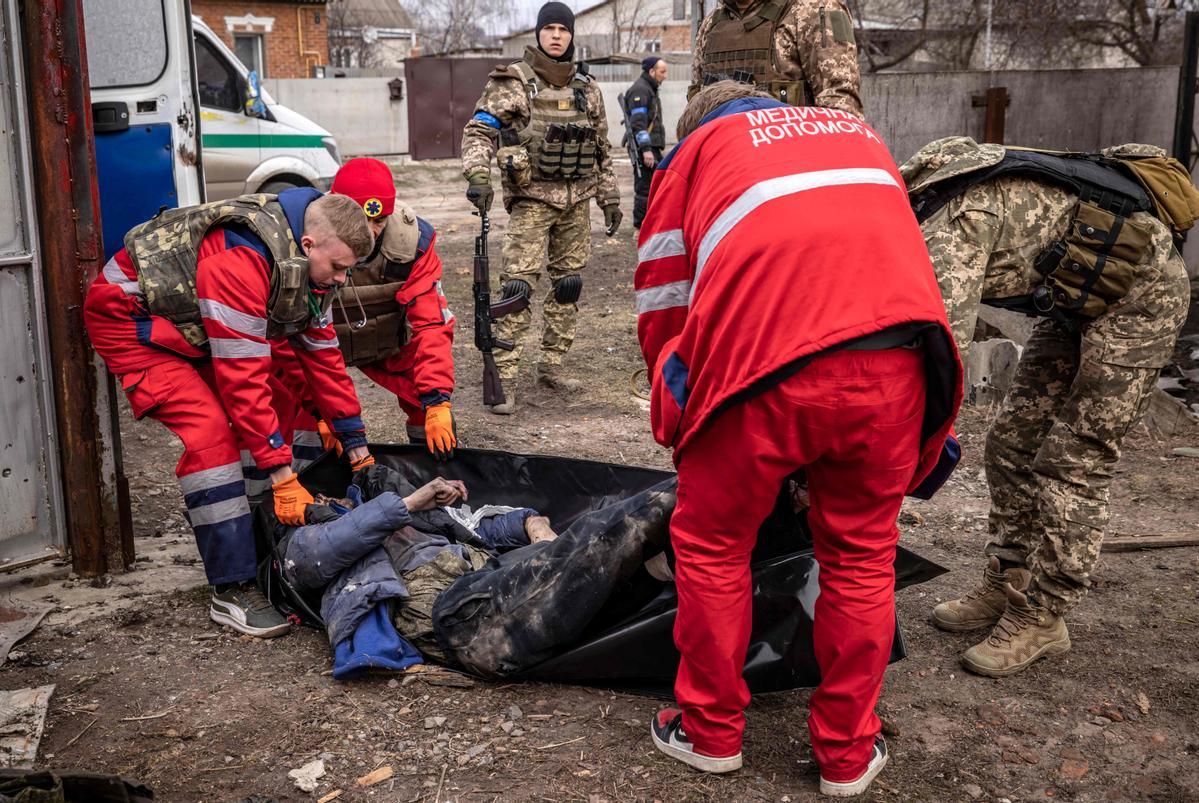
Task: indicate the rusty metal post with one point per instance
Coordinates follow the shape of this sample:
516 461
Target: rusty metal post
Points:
996 101
95 495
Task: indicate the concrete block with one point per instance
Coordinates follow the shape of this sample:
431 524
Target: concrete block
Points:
990 368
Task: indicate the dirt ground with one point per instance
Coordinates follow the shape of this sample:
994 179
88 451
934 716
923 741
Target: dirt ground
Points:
147 687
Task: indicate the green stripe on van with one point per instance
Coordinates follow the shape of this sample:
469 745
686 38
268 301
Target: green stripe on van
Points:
262 141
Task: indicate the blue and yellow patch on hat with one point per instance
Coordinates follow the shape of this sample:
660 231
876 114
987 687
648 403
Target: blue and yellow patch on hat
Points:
373 207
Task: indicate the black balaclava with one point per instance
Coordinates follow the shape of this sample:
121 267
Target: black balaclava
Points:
560 14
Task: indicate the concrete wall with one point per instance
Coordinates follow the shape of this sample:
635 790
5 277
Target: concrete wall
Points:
1069 109
357 111
1063 109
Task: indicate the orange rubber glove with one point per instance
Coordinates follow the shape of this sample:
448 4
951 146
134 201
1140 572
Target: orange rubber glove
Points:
290 500
439 431
369 460
329 441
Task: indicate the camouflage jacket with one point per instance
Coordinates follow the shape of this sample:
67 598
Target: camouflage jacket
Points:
505 98
983 245
813 42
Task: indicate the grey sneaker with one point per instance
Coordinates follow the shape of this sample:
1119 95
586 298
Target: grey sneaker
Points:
244 608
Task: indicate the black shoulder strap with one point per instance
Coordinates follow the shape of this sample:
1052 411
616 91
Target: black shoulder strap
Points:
1090 176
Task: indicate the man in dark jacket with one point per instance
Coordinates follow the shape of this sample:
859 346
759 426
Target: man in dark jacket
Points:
403 575
643 110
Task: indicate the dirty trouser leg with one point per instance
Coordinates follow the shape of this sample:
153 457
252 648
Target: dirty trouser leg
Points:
529 225
209 472
1039 389
569 250
1074 470
529 603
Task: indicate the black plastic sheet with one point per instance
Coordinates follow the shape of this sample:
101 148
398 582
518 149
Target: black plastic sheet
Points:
630 643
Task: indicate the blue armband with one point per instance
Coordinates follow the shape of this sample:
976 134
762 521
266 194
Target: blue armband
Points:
642 137
487 119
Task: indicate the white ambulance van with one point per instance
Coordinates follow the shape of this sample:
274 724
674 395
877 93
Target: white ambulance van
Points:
251 143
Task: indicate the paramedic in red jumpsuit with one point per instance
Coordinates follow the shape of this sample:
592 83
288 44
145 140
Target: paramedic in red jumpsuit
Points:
421 373
219 399
790 319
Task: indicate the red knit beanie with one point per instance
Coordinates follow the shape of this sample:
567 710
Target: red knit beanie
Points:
369 182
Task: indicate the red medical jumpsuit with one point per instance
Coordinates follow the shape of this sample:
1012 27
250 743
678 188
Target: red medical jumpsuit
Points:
219 400
782 288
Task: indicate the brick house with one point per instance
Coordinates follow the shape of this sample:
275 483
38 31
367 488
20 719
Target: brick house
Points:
279 39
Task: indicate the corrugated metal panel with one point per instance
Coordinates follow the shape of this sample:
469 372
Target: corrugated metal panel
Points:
30 500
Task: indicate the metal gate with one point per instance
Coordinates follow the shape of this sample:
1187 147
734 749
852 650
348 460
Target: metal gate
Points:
30 497
442 93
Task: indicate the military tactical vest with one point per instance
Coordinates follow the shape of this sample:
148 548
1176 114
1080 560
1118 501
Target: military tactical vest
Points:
165 251
552 158
1094 263
742 50
370 324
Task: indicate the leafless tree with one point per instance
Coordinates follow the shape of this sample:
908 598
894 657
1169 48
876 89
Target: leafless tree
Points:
447 25
1147 31
885 48
951 34
348 47
631 25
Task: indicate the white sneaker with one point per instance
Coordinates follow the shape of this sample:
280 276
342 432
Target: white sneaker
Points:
667 730
878 760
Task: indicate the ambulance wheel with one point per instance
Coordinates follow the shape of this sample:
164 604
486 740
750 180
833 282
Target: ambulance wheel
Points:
277 186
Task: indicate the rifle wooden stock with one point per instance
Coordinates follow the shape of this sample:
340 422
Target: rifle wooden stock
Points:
493 389
485 316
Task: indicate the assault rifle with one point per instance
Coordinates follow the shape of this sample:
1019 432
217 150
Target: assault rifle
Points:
630 144
486 314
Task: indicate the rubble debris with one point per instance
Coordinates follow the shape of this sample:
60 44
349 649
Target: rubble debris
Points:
1134 543
305 777
375 777
22 720
17 623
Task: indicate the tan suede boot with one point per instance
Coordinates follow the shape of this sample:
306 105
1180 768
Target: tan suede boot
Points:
551 376
509 405
983 606
1024 633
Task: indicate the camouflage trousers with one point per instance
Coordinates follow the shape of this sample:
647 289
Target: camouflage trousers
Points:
561 239
1050 457
413 616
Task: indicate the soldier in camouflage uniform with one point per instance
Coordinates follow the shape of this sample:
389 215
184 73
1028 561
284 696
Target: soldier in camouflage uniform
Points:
1082 383
546 117
800 51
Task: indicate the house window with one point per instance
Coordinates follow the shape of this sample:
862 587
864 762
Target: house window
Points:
653 46
680 10
251 51
584 52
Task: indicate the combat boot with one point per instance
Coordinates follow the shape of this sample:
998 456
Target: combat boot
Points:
1024 633
509 405
983 606
551 376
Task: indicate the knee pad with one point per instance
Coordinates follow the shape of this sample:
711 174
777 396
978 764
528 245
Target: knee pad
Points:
516 287
567 289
